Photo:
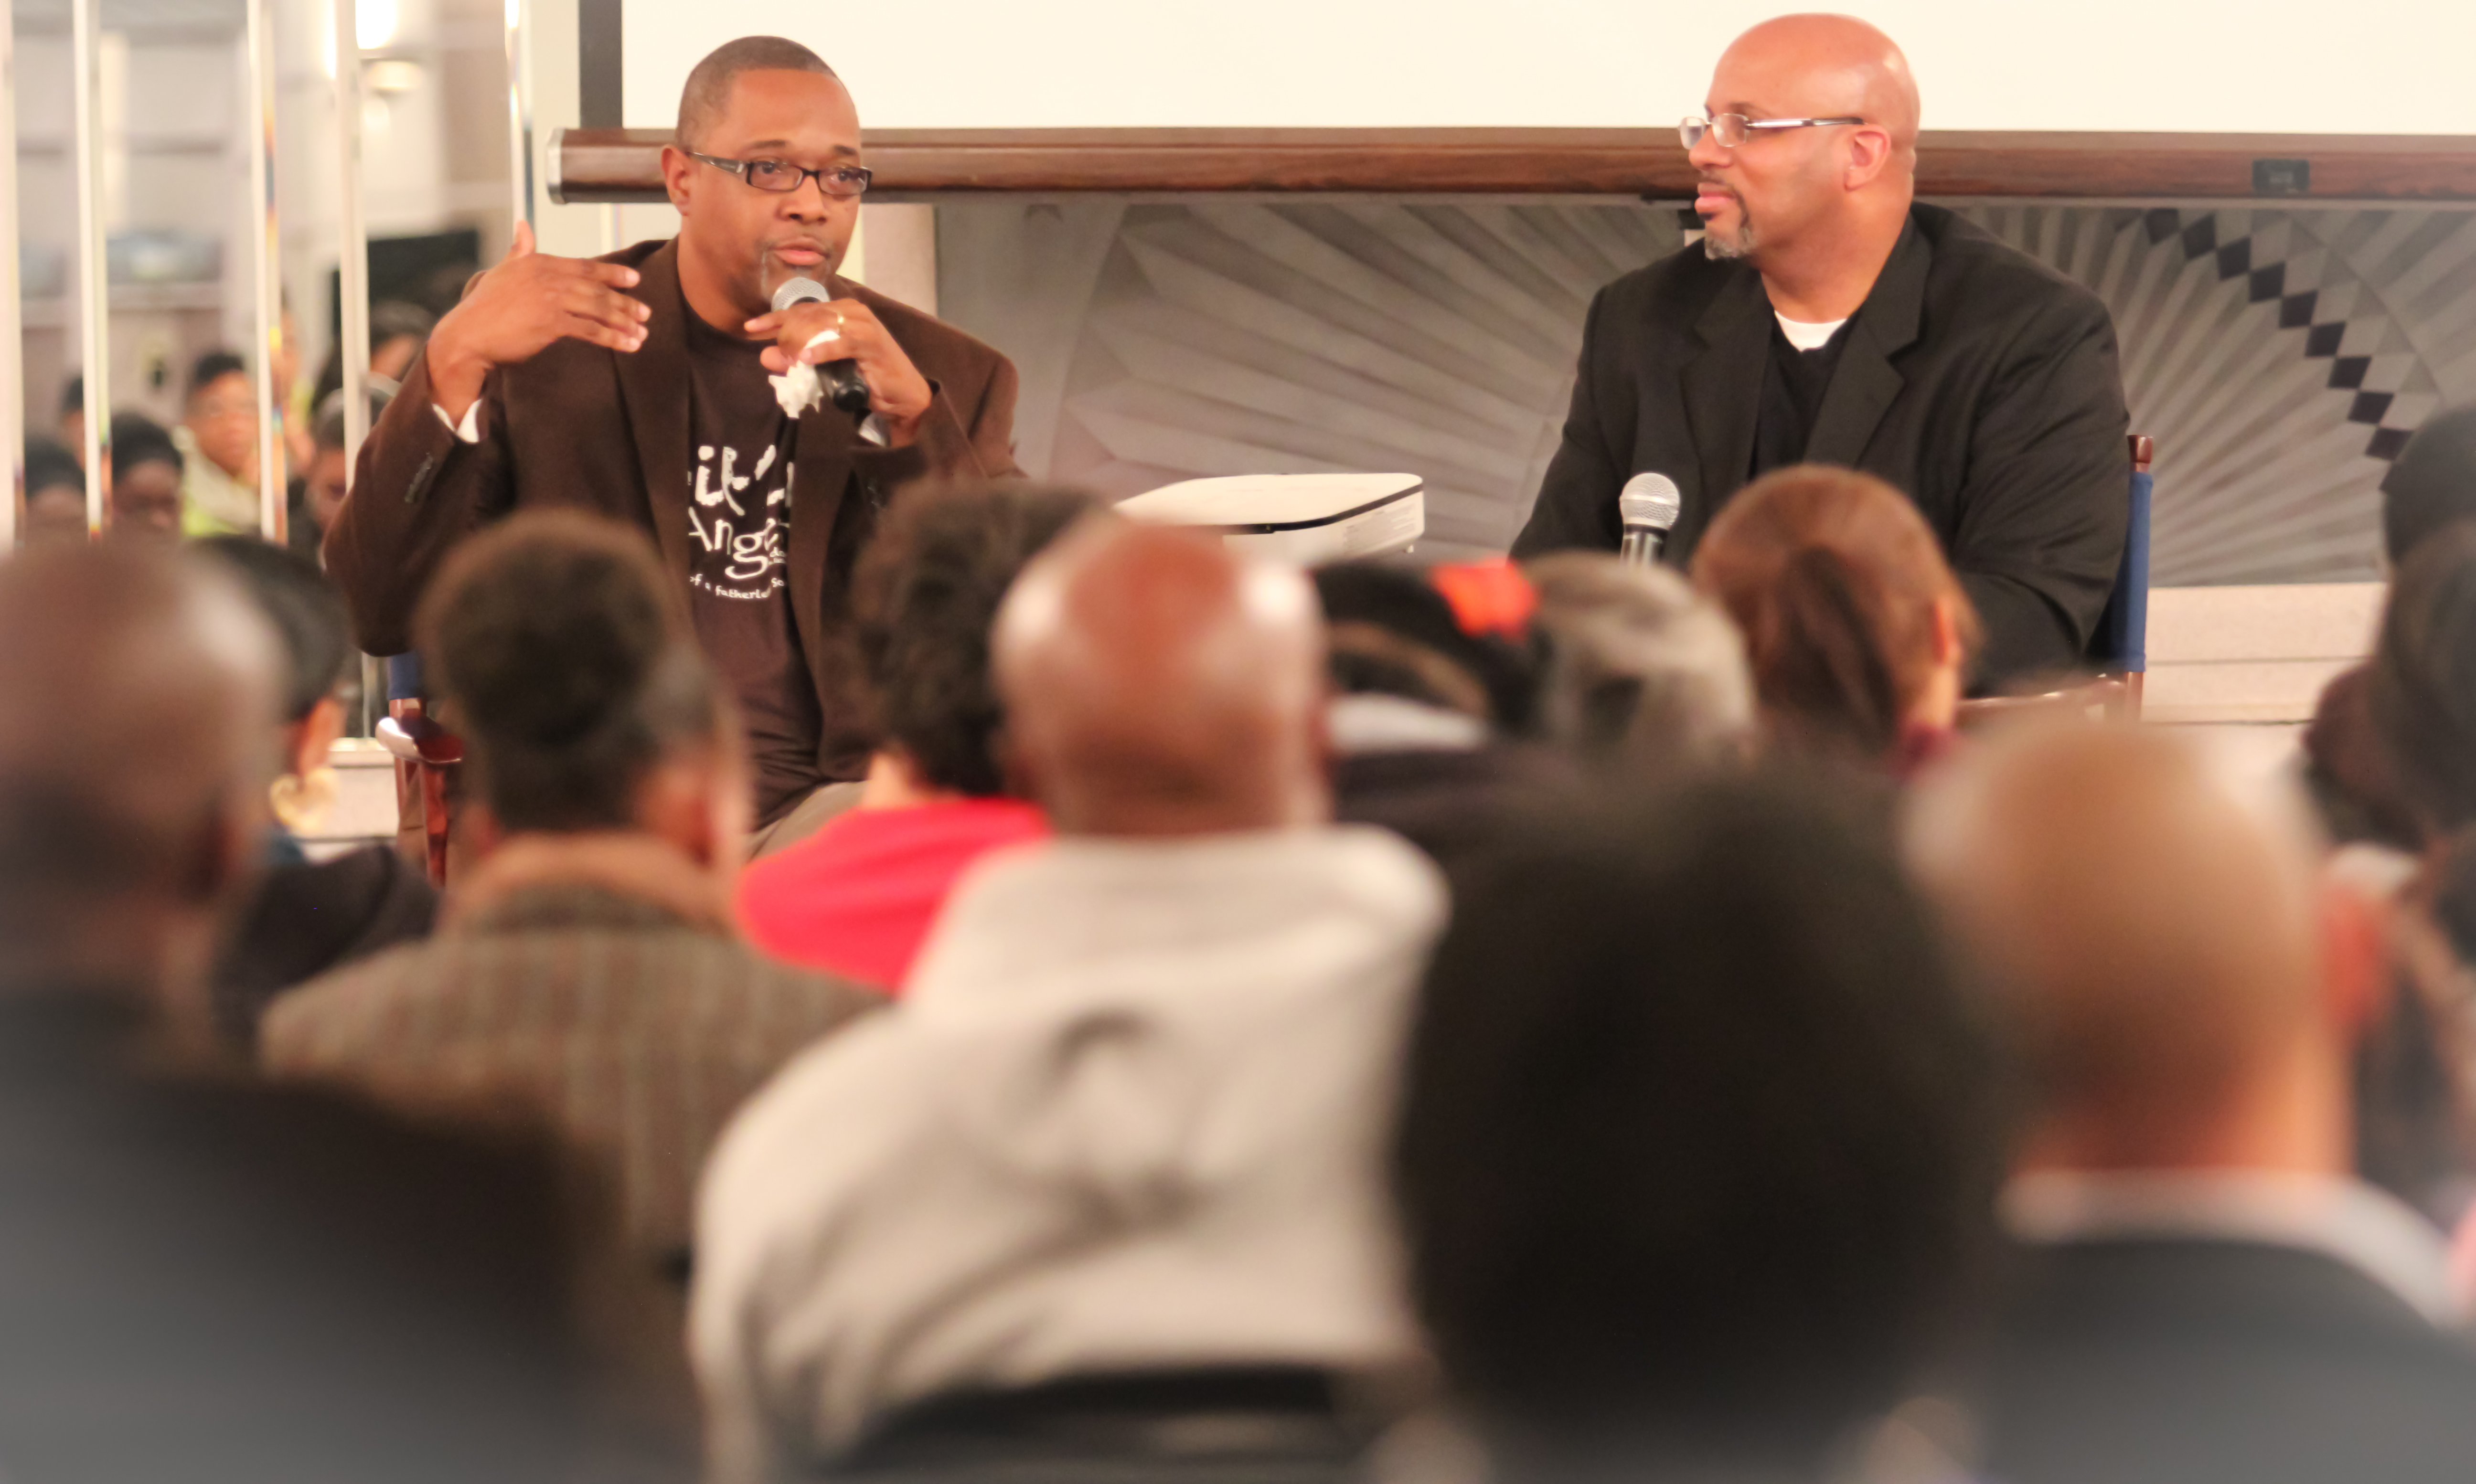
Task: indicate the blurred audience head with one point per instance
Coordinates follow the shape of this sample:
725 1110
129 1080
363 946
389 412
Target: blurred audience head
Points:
1156 685
1798 195
296 598
2187 992
1642 670
2421 691
146 487
222 412
924 599
2432 483
55 495
398 331
329 470
137 692
584 703
1699 1139
1397 646
1858 632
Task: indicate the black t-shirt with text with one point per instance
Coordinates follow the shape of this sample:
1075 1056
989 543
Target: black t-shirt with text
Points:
739 514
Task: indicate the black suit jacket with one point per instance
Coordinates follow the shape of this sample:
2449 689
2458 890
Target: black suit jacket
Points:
230 1283
583 427
1976 379
2198 1361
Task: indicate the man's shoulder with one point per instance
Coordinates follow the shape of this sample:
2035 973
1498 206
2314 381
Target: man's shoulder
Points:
342 1013
2211 1295
1997 278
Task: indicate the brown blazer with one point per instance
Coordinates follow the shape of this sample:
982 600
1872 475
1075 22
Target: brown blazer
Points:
581 426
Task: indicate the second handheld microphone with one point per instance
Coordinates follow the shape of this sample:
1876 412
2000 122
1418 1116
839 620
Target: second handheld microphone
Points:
1649 508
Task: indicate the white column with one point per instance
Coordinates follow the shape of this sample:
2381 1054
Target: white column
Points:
258 76
352 237
94 282
12 328
520 115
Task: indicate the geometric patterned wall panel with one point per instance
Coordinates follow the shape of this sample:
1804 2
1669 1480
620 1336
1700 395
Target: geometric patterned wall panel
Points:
2279 358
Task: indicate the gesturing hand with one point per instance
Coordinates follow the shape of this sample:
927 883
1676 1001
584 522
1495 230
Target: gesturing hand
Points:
518 309
896 391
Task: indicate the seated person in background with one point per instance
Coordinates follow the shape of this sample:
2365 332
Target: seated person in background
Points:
1858 633
2420 684
144 492
1699 1142
1113 1163
399 333
2430 488
218 440
55 496
1427 720
586 971
305 918
2209 1293
319 493
1643 672
205 1278
1829 317
858 897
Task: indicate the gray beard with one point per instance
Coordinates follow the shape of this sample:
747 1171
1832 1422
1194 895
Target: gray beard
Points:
1721 249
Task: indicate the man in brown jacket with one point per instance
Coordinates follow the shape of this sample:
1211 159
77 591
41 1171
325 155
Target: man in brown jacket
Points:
638 385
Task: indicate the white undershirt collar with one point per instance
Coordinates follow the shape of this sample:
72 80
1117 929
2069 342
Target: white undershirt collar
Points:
1806 334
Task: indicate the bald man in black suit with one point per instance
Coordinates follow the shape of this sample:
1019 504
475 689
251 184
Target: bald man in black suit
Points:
1828 318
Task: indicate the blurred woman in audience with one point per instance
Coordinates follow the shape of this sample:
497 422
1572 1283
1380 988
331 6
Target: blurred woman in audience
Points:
2419 699
2431 487
55 495
218 439
144 489
308 917
1641 671
857 896
1428 720
1858 632
2421 688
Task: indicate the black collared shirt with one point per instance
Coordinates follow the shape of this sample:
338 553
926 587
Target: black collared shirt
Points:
1794 383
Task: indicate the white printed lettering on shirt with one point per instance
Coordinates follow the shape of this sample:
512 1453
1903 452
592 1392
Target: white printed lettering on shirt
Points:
755 555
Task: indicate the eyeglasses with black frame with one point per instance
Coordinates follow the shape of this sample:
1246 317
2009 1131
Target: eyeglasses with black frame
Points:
780 177
1732 130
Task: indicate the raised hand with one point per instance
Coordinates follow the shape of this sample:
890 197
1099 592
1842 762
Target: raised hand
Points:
520 307
896 391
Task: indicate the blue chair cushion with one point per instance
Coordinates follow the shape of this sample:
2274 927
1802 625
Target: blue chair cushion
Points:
2122 639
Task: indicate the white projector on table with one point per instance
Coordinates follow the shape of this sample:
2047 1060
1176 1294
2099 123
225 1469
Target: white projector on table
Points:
1307 519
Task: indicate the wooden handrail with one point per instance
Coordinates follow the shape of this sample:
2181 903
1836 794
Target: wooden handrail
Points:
624 164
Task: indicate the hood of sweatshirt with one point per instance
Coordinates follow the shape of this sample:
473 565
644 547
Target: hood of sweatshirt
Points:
1131 1113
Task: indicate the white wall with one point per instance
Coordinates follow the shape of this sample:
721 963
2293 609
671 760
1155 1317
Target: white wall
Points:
2300 66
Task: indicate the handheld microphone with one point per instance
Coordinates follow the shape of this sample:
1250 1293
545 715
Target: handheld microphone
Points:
845 387
1648 506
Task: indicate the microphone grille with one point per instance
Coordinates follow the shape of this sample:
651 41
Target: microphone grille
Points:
799 290
1650 500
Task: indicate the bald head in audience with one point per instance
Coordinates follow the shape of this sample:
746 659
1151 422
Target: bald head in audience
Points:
137 698
1827 192
2189 994
1156 686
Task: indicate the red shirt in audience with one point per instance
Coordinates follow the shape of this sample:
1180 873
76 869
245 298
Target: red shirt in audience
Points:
858 897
